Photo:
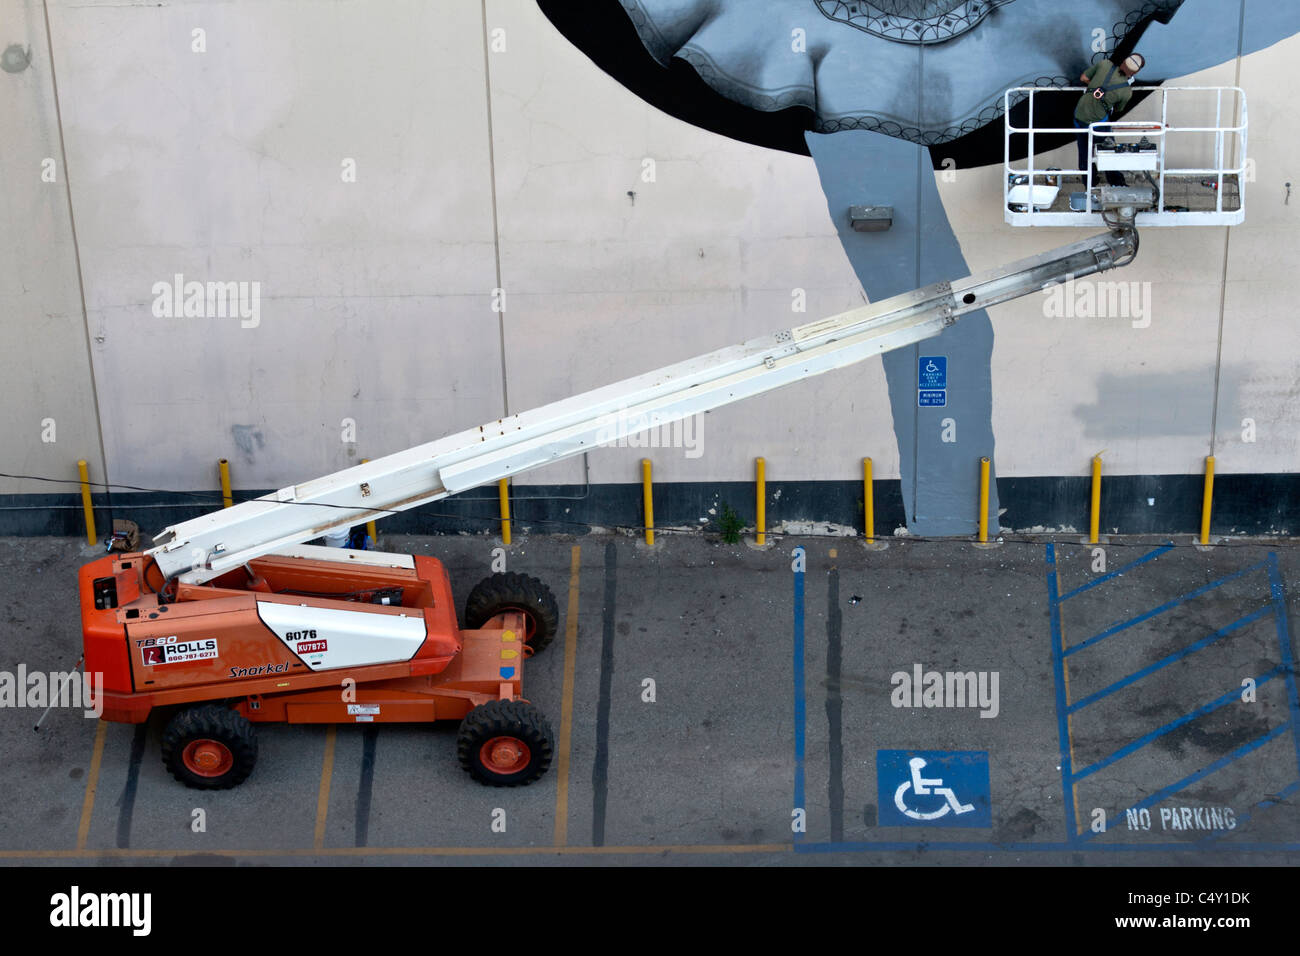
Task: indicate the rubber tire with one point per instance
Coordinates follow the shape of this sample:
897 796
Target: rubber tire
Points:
505 718
216 723
494 594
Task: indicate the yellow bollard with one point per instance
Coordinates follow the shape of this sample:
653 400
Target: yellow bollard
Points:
868 500
227 499
1207 500
504 488
86 503
984 501
1094 518
370 525
647 495
760 522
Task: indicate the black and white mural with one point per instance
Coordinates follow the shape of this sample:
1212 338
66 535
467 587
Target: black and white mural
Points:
879 92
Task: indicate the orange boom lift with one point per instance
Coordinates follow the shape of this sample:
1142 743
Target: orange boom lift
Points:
230 620
309 638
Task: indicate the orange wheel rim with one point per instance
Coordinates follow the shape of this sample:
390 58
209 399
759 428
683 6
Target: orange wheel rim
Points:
504 755
207 758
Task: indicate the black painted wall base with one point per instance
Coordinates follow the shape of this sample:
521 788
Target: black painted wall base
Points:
1130 504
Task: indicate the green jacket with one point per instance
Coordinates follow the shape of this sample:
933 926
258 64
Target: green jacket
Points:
1116 96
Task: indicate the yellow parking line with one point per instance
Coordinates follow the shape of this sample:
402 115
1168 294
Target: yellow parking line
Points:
341 851
566 705
323 796
92 783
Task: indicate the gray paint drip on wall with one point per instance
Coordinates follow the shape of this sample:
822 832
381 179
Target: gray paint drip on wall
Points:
248 439
940 480
1162 404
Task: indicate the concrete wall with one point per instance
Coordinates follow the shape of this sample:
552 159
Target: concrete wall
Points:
49 419
520 168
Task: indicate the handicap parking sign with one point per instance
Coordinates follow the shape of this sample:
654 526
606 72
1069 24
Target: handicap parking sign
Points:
933 788
932 372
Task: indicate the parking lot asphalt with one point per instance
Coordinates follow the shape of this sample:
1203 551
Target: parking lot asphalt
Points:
1132 703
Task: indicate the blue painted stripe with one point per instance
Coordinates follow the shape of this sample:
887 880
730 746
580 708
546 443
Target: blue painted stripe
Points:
1229 697
1170 659
1124 625
1163 549
1281 795
800 703
1271 800
1219 764
1058 671
974 846
1278 593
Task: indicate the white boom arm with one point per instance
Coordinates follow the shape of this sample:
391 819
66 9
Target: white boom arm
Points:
204 547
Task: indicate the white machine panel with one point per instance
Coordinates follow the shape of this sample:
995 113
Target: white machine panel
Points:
374 559
1108 160
326 638
1044 196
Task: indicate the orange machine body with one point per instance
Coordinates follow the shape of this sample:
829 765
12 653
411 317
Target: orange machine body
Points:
294 639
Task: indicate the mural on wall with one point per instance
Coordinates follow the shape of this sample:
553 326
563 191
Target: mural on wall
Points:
878 92
865 62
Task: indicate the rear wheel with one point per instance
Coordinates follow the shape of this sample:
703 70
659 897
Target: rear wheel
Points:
505 743
209 747
515 592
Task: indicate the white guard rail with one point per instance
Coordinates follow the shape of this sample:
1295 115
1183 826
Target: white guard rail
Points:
1221 141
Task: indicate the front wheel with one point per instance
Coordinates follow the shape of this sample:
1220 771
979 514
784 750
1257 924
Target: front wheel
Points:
515 592
505 743
209 747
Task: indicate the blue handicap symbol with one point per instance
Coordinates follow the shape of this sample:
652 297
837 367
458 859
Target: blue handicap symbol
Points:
937 788
932 372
